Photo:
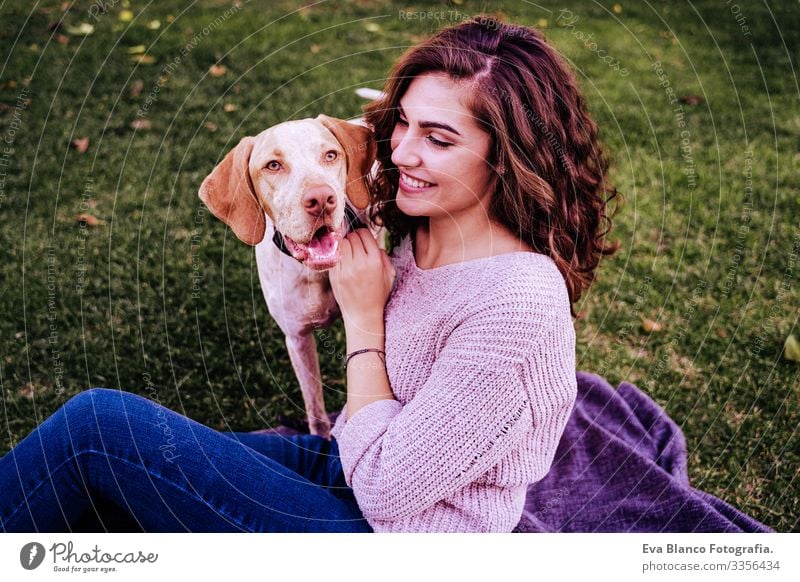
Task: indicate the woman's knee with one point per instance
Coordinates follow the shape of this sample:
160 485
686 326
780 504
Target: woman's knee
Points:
93 402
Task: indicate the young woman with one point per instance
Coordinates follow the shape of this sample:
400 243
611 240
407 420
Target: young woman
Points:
461 348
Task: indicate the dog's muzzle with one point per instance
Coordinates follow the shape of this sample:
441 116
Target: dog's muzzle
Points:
350 216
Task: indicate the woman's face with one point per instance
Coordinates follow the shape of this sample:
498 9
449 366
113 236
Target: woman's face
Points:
440 151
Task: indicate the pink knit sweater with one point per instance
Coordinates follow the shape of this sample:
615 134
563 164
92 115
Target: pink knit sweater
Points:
481 359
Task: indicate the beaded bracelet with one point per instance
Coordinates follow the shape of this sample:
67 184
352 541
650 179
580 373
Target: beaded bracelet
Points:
381 354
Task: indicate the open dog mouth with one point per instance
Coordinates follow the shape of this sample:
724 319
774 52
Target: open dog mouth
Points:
319 253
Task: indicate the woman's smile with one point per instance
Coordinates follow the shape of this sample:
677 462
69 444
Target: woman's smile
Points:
413 185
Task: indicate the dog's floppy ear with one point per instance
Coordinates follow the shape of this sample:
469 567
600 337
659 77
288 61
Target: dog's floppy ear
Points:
229 194
360 150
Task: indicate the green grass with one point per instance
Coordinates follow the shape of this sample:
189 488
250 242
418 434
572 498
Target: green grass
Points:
161 292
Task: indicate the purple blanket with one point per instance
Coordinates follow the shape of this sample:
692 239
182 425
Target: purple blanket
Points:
620 467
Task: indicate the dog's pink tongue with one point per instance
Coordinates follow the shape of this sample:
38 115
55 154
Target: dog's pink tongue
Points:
323 247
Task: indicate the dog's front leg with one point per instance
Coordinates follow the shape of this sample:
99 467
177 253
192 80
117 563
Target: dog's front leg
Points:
303 354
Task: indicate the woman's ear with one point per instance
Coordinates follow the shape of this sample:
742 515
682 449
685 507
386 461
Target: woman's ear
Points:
360 150
229 194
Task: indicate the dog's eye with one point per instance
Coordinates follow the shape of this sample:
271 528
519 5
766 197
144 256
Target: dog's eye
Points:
273 166
331 156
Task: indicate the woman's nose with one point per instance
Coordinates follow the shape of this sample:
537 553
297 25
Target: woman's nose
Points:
405 150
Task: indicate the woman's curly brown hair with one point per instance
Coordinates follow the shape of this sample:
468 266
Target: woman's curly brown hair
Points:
553 192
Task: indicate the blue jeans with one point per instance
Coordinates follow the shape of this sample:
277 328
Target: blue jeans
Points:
112 457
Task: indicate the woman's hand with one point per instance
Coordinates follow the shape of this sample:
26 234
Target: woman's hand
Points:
362 280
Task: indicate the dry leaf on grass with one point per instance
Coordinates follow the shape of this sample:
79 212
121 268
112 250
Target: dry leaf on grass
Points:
143 59
136 88
692 99
81 144
650 326
88 219
143 124
217 70
791 349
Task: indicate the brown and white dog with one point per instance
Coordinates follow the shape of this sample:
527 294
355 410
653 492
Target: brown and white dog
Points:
294 191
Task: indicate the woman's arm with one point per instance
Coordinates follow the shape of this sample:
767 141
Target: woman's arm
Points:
367 380
362 282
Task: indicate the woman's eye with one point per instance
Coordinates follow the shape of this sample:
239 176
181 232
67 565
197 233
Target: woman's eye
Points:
273 166
331 156
438 143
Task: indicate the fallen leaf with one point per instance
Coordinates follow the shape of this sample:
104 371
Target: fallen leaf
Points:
542 23
83 29
136 88
692 99
154 24
143 59
230 107
27 391
217 70
791 349
650 326
143 124
137 50
34 48
210 126
665 34
89 219
314 49
372 26
617 8
62 39
81 144
125 16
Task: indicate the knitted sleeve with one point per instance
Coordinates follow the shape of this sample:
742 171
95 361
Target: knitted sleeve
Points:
474 409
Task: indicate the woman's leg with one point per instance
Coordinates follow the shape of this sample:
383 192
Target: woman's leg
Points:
166 471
